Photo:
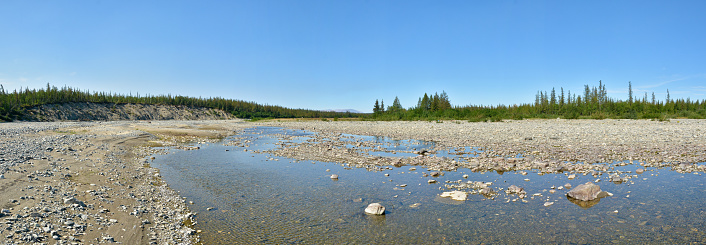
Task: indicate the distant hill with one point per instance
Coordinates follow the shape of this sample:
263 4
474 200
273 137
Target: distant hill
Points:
343 110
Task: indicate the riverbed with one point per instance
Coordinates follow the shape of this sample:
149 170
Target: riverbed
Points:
245 193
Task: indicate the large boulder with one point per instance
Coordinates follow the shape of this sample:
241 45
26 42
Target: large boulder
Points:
587 192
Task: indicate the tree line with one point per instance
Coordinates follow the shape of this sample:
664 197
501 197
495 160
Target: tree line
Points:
593 103
14 104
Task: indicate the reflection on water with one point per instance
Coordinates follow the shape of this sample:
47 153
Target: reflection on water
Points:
258 200
582 203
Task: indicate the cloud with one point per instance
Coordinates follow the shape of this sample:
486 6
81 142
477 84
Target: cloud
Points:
699 88
661 83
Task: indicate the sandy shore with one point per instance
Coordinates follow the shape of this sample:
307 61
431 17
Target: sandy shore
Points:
90 182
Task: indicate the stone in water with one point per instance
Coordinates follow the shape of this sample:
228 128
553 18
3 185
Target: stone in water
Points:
375 208
456 195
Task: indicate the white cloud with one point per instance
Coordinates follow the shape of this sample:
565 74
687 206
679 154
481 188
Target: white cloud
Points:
661 83
699 88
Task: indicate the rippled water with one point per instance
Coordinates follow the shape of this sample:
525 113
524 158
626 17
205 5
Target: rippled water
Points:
258 200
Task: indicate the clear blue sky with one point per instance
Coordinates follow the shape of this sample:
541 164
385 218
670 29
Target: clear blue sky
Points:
345 54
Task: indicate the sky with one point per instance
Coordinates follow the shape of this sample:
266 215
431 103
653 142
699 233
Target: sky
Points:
346 54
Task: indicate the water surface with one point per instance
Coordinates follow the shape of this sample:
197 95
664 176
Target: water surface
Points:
258 198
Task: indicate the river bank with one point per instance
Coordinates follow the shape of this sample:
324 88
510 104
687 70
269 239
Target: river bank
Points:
89 182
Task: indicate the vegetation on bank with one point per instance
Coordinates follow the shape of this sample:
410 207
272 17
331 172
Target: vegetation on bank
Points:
592 104
14 104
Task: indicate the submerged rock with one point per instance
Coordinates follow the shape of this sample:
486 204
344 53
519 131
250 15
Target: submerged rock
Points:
514 189
334 176
587 192
456 195
486 191
583 204
375 209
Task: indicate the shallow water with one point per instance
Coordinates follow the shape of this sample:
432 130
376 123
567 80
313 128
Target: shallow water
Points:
258 200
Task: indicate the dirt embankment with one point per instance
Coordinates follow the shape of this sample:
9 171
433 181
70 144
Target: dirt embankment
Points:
118 112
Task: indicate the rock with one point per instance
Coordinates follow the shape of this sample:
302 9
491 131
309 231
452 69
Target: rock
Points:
108 239
465 176
435 174
567 186
73 200
587 192
514 189
486 191
639 171
334 176
375 209
573 176
456 195
431 181
412 169
583 204
547 204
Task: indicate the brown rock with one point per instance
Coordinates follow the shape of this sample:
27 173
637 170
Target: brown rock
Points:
587 192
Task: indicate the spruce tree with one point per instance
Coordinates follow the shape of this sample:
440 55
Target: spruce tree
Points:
396 106
630 92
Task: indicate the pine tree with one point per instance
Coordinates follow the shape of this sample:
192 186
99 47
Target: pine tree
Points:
653 98
376 108
630 92
396 106
435 102
444 101
426 103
